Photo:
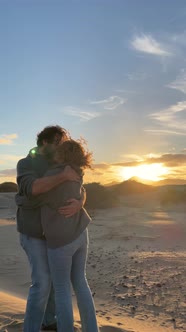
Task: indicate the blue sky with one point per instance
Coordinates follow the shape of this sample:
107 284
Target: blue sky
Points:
112 71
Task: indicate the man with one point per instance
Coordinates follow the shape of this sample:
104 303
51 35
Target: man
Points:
31 182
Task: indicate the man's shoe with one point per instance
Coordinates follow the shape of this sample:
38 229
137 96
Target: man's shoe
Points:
52 327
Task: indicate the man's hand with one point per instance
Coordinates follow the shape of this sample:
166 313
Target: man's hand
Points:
69 174
46 183
74 205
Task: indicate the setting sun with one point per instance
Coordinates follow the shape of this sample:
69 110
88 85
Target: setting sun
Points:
153 172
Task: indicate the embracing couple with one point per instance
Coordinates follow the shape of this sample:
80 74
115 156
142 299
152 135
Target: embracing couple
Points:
53 224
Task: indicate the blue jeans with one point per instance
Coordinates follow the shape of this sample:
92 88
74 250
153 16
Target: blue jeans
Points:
67 264
40 303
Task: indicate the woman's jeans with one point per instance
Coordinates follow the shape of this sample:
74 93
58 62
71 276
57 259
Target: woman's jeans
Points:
67 264
40 303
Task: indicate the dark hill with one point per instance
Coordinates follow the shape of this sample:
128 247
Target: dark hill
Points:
131 187
99 197
8 187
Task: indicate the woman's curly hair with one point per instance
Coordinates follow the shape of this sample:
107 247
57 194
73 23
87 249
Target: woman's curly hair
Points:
74 153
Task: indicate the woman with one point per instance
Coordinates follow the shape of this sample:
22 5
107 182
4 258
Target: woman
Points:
67 241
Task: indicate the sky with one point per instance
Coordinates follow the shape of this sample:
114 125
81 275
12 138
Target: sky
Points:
110 71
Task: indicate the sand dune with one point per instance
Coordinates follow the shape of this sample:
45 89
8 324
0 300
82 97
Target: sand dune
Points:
11 309
136 267
12 313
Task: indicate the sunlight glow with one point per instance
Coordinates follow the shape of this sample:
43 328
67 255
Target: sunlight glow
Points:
153 172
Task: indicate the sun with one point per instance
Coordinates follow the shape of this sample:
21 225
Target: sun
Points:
153 172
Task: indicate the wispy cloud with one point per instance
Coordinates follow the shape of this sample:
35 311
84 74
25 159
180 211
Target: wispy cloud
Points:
8 173
110 103
9 163
147 44
180 82
102 166
172 120
9 158
168 159
165 132
7 139
108 172
79 113
131 157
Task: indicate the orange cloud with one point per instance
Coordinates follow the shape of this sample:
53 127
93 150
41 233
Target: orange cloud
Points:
7 139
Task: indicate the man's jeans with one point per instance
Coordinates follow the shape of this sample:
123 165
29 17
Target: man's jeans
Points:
68 264
40 303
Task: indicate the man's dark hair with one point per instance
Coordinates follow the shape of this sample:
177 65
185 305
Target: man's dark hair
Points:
50 134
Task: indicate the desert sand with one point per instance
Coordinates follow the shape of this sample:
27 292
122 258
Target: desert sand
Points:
136 267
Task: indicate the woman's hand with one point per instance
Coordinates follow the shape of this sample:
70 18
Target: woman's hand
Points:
74 205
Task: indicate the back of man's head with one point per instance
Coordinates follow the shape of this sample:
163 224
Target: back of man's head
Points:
52 134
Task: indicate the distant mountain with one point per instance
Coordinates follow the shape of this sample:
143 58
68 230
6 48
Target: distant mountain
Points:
111 183
8 187
170 182
140 180
131 186
159 183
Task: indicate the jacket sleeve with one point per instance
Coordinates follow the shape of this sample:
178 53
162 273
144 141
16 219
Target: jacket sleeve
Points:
25 176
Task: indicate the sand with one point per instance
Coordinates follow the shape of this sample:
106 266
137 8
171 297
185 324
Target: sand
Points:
136 267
